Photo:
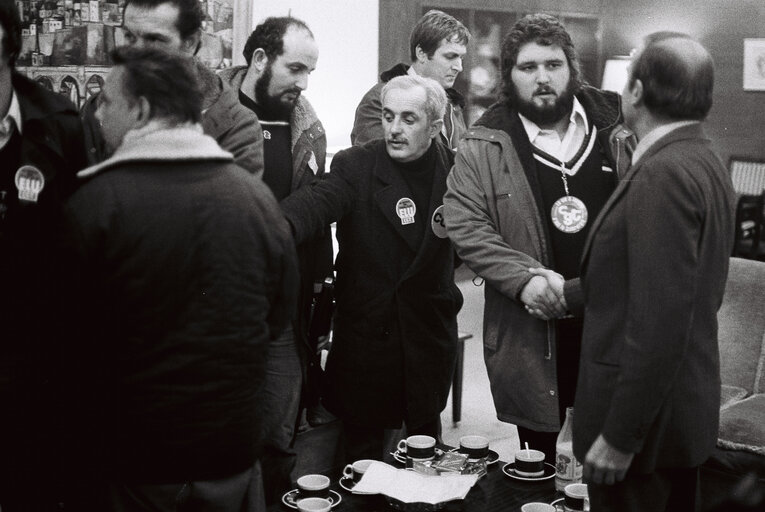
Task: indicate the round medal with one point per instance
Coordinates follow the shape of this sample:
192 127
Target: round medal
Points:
569 214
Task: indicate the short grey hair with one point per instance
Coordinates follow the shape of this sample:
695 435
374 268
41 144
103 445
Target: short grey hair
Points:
435 102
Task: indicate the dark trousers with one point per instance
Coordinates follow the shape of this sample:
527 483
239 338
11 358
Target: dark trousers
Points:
569 347
364 442
664 490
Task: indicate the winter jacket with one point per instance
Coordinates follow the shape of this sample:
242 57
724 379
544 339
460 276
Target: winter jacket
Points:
231 124
368 123
183 267
395 330
309 153
493 213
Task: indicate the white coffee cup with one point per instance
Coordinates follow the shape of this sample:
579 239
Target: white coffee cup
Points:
313 486
314 505
577 499
418 447
356 470
476 447
529 463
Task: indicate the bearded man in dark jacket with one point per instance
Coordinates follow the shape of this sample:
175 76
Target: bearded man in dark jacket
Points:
186 271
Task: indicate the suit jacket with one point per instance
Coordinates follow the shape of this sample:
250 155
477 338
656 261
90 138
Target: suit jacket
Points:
395 330
653 275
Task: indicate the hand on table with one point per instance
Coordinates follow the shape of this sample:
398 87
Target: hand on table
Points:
605 464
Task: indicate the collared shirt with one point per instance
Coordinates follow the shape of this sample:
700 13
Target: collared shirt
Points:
654 135
550 142
11 119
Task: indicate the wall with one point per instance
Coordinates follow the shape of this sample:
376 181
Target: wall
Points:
346 32
737 120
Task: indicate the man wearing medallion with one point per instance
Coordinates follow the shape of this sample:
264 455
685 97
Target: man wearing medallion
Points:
531 175
395 330
41 149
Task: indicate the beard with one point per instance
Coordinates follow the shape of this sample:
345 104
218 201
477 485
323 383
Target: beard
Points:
273 105
549 113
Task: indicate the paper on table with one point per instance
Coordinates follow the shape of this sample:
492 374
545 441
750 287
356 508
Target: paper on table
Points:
410 487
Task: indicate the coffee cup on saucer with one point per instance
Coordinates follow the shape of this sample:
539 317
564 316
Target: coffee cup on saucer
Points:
418 448
313 486
529 463
475 447
314 505
577 499
356 470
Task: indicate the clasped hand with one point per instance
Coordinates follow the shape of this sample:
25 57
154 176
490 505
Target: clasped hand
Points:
543 295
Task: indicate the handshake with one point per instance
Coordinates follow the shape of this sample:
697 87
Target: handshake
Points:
543 295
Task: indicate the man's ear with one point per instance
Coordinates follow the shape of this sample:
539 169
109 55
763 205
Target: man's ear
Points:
142 112
421 55
192 43
435 128
259 60
635 91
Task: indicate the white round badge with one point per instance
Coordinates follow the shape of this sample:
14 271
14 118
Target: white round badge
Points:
437 222
405 209
29 181
569 214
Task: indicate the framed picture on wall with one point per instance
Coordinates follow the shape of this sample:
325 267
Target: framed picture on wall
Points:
754 64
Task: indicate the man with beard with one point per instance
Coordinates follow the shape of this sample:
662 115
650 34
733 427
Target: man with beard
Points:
528 180
176 25
281 53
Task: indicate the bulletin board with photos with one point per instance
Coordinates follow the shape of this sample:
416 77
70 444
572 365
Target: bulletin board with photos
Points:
66 43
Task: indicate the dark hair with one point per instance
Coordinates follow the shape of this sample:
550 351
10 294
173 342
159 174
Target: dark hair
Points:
434 27
11 22
269 36
677 83
544 30
190 13
158 75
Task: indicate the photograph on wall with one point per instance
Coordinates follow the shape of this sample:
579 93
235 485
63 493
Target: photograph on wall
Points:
754 64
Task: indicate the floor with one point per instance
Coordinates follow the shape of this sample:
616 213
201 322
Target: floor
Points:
478 414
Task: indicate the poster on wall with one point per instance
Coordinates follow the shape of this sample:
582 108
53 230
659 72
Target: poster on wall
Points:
754 64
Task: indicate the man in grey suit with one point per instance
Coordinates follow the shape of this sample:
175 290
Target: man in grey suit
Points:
653 276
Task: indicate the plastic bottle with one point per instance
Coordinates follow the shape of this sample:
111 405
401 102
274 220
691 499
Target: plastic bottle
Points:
568 470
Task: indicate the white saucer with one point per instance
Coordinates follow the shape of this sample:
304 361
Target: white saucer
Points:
509 470
290 498
348 484
401 456
490 459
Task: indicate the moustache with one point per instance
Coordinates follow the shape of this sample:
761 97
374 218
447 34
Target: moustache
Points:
545 89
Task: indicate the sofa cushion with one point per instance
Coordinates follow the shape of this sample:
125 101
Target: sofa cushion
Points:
742 425
729 395
741 332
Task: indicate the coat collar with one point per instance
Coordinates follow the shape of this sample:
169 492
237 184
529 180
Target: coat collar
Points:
392 187
693 131
159 143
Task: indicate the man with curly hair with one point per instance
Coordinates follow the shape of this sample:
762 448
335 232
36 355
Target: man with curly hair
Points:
529 179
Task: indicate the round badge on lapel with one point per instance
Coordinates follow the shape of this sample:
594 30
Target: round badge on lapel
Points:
437 222
405 209
30 181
